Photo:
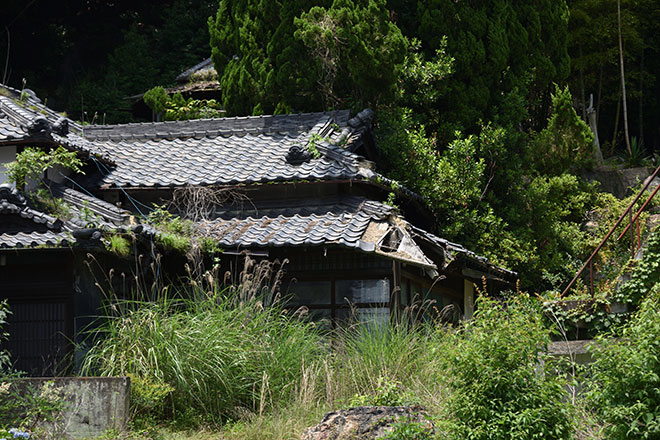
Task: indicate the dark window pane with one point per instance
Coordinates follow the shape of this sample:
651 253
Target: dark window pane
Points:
309 292
362 291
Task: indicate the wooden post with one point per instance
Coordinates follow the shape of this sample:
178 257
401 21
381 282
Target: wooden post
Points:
468 299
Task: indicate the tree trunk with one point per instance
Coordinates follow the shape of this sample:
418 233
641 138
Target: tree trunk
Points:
591 113
623 81
600 94
616 122
641 99
582 91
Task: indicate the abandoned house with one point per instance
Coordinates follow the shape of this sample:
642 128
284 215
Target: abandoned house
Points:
301 189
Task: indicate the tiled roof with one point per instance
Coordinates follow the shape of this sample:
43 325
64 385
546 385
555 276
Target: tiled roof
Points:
455 252
105 215
206 65
34 239
228 151
28 119
47 230
86 213
352 222
9 130
222 151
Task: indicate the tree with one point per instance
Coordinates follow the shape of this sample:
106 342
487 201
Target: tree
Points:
261 65
358 50
596 61
566 143
623 78
507 55
261 50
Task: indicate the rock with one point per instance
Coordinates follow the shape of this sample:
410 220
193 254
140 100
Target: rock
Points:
616 181
364 422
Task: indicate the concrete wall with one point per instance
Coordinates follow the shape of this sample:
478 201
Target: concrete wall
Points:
93 405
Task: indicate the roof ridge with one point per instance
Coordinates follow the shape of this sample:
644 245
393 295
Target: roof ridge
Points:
27 111
96 205
183 76
208 127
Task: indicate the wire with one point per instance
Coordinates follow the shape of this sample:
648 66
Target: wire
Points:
76 183
133 201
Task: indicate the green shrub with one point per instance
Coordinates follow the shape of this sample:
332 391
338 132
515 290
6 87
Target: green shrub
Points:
495 369
148 399
410 431
388 393
567 141
31 163
626 380
30 408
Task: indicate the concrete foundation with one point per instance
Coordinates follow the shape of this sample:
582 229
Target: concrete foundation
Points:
92 405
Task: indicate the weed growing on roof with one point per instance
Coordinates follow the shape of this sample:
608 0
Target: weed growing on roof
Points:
118 245
311 145
32 163
54 206
176 234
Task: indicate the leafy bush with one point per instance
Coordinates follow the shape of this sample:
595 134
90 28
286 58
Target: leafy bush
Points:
31 163
495 369
410 431
177 108
645 276
626 384
30 408
148 399
387 393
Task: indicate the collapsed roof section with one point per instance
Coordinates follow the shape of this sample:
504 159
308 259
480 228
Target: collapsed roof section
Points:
349 222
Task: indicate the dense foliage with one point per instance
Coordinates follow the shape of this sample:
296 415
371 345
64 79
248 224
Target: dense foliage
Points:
176 108
466 110
626 389
495 371
32 163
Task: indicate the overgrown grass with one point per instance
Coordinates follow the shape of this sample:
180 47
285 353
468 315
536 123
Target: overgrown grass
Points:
221 360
